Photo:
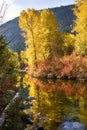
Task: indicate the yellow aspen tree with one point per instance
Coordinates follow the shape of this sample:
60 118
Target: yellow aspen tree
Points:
49 29
28 21
40 30
81 27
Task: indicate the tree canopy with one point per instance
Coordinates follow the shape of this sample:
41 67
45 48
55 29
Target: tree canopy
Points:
81 27
40 32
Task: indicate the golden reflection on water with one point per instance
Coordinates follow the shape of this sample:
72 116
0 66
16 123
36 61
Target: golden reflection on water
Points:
57 101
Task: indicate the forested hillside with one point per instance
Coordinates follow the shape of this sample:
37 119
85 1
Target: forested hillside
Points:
12 32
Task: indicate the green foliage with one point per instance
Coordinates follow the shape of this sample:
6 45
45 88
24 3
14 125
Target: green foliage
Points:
11 105
14 111
8 59
8 71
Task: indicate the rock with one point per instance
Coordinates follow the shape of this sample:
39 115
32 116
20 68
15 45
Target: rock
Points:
71 125
2 119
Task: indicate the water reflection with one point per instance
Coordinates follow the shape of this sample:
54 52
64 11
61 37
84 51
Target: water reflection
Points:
58 101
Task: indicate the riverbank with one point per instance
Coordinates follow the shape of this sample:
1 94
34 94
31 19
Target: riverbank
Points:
67 67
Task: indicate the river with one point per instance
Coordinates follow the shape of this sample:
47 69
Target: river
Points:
58 102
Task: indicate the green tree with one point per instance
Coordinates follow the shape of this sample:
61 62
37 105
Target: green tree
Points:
8 65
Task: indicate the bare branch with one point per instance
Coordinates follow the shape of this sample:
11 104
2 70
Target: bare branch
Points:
3 10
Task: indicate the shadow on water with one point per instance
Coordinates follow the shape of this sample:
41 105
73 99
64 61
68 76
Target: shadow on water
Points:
60 105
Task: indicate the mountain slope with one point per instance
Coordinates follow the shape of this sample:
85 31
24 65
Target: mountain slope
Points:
12 32
65 17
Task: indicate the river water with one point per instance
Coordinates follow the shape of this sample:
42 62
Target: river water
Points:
59 102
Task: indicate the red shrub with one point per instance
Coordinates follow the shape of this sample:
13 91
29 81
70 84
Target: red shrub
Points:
71 67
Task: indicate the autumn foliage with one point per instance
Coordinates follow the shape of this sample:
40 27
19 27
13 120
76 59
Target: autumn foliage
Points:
51 54
67 67
80 12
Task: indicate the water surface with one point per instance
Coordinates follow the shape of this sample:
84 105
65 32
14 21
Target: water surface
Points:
58 101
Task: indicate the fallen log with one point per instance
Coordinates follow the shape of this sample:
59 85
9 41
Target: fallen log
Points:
14 101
